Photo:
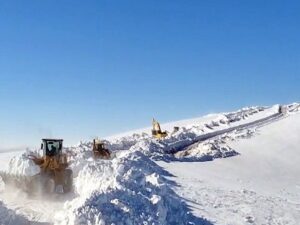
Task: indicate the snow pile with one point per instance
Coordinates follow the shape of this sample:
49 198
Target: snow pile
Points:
78 156
9 217
22 165
151 148
243 113
293 108
239 134
126 142
206 151
130 189
214 148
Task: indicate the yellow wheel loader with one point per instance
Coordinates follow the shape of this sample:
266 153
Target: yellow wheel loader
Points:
156 130
99 150
54 175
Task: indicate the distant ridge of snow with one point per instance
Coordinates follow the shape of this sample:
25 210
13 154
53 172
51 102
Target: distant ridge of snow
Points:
293 108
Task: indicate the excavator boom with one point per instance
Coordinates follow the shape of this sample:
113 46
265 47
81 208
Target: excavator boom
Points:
156 130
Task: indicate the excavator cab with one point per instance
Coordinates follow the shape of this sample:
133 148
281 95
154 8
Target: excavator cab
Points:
156 130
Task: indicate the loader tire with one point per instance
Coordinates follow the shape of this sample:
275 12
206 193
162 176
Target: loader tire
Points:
36 185
50 186
41 184
68 181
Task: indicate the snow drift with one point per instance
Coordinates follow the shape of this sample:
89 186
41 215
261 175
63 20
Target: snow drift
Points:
8 216
130 189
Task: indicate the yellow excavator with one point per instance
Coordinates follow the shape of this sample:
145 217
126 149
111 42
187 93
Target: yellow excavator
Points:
54 175
100 151
156 130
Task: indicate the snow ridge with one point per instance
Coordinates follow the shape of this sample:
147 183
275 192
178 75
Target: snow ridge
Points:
187 135
130 189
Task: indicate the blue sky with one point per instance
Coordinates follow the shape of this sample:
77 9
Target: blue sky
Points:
77 69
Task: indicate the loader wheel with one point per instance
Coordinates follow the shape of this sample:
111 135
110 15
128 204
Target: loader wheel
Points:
107 154
68 183
50 186
36 185
41 184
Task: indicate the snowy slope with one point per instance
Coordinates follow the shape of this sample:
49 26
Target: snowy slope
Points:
133 189
9 217
260 186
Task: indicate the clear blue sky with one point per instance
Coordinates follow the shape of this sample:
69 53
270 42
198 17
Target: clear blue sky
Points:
77 69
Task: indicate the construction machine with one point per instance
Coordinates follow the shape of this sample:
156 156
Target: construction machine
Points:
175 129
156 130
54 175
100 151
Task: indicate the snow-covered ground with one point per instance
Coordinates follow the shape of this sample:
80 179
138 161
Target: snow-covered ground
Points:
229 168
260 186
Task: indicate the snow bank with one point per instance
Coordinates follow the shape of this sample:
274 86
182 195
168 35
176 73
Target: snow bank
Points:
130 189
8 216
293 108
214 148
205 151
243 113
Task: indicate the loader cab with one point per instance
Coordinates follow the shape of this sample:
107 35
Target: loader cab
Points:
100 151
52 147
98 145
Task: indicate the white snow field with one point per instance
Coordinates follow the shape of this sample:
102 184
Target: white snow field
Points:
229 168
259 186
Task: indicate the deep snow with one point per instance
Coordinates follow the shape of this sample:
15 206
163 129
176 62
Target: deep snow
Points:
259 186
9 217
133 189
